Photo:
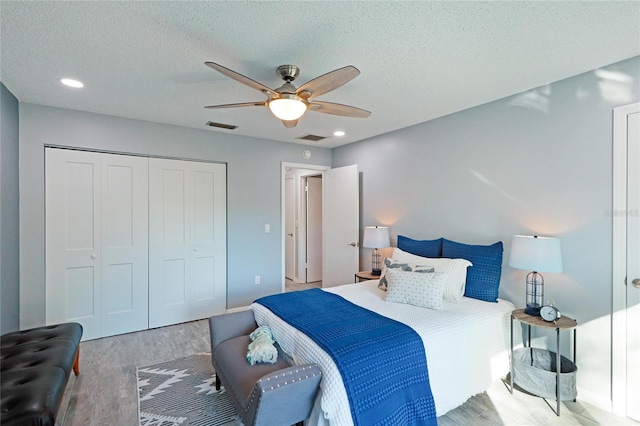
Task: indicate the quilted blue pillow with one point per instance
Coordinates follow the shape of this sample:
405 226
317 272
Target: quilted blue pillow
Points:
424 248
483 278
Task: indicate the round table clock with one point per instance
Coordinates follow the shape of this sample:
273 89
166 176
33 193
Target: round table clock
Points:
550 313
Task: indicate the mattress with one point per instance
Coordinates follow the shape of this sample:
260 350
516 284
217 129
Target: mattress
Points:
466 344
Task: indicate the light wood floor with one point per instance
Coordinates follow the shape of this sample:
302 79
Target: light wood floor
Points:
105 393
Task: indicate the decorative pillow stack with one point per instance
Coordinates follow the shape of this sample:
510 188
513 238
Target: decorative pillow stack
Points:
418 289
456 270
405 266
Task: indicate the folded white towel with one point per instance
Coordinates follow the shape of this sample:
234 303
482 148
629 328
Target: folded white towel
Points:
261 349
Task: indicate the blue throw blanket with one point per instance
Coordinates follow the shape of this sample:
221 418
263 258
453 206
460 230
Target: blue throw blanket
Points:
382 361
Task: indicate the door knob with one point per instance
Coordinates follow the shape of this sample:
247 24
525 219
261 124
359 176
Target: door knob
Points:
636 283
353 244
291 234
93 256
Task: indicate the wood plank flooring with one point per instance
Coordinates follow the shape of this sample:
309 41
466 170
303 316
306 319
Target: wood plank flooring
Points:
105 393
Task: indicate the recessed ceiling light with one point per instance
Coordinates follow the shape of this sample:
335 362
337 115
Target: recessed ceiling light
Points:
71 83
338 133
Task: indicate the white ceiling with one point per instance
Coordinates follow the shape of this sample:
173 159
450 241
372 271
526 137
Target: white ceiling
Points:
418 60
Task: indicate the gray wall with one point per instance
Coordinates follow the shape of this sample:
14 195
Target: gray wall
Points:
539 162
253 191
9 217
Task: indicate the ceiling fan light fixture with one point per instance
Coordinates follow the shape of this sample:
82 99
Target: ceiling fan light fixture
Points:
288 107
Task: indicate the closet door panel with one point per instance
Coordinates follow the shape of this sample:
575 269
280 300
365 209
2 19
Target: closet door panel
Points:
72 239
208 281
169 249
124 229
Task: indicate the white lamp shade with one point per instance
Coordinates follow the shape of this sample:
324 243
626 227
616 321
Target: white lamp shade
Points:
287 109
533 253
376 237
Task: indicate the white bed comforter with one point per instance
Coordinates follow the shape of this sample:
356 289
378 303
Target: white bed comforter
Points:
467 347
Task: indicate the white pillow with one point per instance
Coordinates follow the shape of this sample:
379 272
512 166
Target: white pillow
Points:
416 288
392 263
456 270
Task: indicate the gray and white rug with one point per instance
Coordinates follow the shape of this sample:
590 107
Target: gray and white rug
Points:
183 392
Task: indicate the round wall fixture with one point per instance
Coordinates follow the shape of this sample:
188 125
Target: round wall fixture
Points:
306 154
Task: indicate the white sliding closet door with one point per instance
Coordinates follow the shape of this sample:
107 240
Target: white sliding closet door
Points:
187 241
96 241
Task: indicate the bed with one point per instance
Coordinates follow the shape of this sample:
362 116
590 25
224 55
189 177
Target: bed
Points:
466 344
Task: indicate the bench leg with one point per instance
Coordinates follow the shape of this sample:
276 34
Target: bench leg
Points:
76 363
217 382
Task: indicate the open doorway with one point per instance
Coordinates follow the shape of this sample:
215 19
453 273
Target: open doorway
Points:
303 227
339 219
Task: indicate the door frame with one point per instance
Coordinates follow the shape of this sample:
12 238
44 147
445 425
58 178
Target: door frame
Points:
283 173
619 297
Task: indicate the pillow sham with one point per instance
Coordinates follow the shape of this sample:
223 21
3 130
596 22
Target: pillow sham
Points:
483 278
414 288
424 248
456 270
391 263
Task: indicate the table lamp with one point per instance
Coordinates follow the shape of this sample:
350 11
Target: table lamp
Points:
376 237
536 254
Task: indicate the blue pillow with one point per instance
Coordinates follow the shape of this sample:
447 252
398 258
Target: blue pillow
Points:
424 248
483 278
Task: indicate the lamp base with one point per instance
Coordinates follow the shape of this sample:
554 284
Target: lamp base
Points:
533 309
376 272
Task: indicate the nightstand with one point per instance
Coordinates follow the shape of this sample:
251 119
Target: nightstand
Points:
563 323
365 275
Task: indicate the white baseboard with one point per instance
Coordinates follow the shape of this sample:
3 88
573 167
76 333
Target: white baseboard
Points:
594 399
239 309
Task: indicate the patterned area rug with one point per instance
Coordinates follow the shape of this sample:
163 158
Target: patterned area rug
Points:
183 392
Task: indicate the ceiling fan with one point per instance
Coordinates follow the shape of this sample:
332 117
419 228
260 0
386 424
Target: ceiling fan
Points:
288 103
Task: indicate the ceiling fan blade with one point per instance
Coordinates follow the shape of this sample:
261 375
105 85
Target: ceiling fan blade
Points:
242 79
328 82
290 123
338 109
244 104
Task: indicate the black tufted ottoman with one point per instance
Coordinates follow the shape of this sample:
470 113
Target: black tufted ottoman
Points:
34 370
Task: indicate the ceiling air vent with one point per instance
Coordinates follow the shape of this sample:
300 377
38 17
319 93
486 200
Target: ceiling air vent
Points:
310 137
221 125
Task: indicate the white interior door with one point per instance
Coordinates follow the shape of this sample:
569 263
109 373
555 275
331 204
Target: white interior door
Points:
124 284
289 227
169 196
633 266
72 239
96 241
314 229
626 261
340 213
187 240
208 280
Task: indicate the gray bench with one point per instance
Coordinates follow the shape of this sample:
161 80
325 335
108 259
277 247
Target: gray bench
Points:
263 394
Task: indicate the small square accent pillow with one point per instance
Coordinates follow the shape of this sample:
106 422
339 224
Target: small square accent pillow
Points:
418 289
456 270
393 264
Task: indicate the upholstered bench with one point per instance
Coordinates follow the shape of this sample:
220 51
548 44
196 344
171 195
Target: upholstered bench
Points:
35 367
263 394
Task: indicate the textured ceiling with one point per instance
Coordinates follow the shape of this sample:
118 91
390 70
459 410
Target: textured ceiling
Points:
418 60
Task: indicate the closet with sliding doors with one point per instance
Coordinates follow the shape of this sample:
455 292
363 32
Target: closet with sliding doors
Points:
132 242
